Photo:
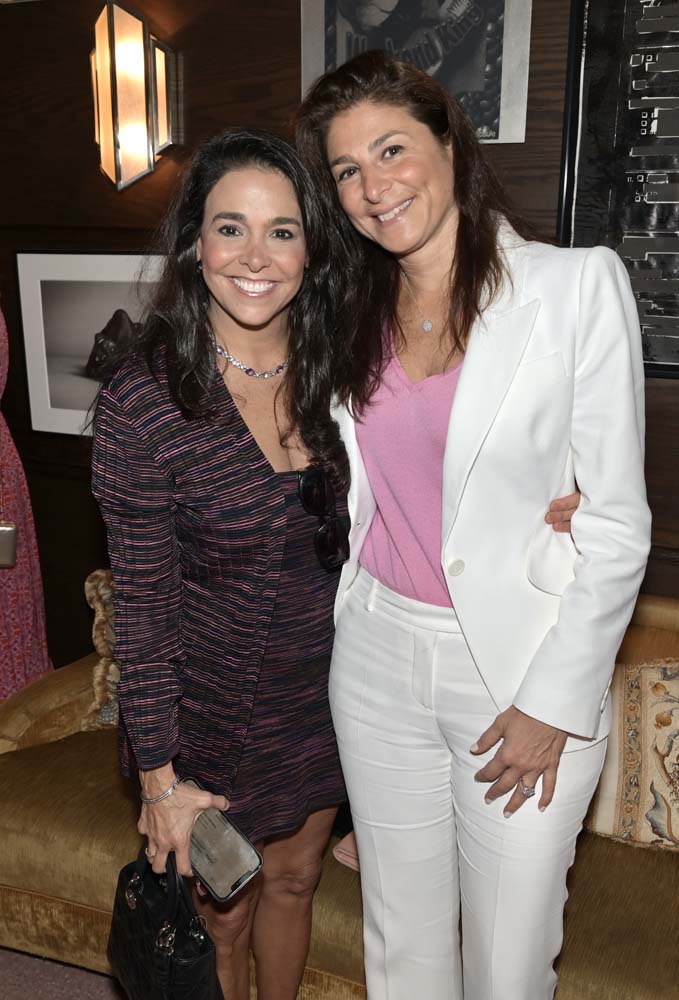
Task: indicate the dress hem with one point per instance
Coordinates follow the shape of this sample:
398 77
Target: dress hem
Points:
291 826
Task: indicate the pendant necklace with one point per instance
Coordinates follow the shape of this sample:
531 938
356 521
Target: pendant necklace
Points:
427 325
252 372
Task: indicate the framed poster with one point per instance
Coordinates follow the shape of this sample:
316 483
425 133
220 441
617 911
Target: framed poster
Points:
66 299
478 49
623 157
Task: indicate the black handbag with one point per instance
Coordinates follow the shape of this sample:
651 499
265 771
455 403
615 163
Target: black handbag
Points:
158 947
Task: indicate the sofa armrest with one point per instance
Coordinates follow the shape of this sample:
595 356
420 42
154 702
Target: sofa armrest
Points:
48 709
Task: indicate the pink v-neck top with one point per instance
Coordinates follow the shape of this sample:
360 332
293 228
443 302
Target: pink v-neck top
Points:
402 437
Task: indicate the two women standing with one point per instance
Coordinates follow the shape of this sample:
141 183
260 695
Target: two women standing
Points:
475 375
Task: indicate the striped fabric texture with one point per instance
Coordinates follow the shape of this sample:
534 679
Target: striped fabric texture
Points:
290 767
196 524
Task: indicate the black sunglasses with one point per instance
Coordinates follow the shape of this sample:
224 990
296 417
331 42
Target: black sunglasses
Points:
317 497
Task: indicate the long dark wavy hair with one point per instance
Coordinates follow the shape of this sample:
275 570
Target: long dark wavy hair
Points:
374 282
176 323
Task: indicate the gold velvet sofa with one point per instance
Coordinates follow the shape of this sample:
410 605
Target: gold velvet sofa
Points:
67 824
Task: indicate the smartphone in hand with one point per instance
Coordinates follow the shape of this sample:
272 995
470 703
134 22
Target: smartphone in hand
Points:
222 857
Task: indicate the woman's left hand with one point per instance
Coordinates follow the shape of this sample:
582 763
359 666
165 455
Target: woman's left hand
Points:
530 749
561 511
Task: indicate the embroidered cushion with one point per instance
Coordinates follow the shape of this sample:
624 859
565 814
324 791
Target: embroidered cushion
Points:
104 709
638 795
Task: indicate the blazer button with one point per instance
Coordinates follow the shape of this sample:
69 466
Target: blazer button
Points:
456 567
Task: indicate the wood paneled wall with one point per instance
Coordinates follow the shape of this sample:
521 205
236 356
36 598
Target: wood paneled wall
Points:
240 64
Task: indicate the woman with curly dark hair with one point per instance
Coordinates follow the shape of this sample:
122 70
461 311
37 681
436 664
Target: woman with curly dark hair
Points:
214 454
480 373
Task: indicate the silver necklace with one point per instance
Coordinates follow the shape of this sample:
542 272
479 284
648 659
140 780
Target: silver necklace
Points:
427 324
252 372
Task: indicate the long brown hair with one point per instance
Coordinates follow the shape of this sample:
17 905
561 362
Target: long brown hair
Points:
477 268
177 324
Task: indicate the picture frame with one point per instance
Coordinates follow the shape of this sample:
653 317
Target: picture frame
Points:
620 168
66 299
478 49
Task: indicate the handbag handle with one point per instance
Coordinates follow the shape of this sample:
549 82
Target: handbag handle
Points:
178 891
178 897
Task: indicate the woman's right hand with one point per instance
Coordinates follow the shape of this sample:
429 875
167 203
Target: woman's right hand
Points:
561 511
168 824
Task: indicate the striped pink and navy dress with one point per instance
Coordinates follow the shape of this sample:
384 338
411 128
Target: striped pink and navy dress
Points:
223 615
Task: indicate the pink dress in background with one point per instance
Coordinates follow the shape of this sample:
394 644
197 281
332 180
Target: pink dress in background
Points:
23 645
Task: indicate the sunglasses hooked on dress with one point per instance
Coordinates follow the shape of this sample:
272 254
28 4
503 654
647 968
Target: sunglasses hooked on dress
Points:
331 540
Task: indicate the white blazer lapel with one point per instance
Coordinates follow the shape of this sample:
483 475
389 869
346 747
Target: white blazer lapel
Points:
360 499
495 348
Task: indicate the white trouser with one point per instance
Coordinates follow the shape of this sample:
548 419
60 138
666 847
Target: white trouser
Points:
407 703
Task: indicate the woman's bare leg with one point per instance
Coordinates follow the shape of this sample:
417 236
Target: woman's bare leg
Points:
230 926
282 922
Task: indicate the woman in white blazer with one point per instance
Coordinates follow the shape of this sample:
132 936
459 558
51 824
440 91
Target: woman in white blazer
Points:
482 374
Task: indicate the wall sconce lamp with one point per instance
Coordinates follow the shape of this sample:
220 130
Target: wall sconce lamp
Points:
133 82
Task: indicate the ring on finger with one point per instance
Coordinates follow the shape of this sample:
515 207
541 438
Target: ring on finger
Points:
528 791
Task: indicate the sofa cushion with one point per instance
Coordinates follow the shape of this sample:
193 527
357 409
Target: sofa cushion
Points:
68 819
621 924
337 933
48 708
638 795
67 825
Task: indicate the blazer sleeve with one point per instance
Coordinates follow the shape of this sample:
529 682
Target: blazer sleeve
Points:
567 682
136 500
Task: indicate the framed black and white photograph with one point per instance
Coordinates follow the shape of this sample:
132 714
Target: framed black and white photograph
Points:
621 166
478 49
66 300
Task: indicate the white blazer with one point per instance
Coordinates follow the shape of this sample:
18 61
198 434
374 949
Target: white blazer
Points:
551 392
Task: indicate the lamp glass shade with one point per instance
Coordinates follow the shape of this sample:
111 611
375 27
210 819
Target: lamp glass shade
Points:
135 151
161 104
134 87
95 95
102 60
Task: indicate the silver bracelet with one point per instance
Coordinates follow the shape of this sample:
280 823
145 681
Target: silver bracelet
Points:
151 800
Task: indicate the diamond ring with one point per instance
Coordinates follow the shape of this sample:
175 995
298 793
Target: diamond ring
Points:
526 790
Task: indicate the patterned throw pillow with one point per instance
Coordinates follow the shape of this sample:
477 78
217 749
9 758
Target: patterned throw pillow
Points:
104 709
638 795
